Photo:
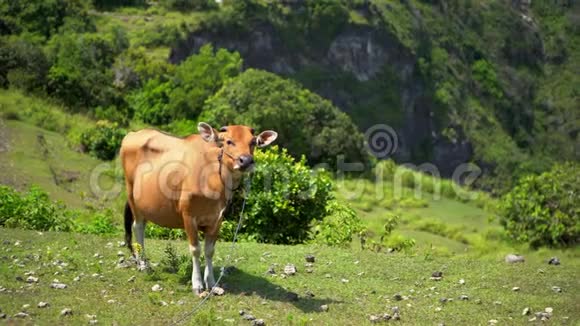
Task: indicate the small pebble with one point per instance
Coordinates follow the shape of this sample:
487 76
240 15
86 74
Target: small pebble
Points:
241 312
324 307
461 281
58 285
21 315
32 279
42 304
396 316
526 311
271 270
497 303
258 322
438 309
556 289
66 312
514 258
131 279
492 321
248 317
549 310
344 280
93 322
554 261
397 297
463 297
76 279
156 288
218 291
3 316
111 301
374 319
290 269
515 289
310 258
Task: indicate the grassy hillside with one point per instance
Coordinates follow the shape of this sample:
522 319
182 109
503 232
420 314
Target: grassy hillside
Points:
353 284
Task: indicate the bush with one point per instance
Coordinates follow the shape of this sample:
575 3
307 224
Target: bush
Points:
338 227
104 140
306 123
158 232
543 209
32 210
187 5
285 198
101 223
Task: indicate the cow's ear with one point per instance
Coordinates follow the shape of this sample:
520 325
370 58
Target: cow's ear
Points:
207 132
266 138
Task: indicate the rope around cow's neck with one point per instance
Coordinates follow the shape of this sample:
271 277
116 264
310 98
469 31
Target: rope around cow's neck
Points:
228 257
220 160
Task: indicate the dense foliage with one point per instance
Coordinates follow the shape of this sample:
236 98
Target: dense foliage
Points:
103 141
285 199
32 210
306 123
543 209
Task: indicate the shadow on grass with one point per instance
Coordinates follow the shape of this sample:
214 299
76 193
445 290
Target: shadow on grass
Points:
239 282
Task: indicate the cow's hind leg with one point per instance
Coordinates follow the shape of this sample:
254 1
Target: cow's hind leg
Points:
209 249
139 230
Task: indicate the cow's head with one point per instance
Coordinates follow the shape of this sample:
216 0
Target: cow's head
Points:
238 143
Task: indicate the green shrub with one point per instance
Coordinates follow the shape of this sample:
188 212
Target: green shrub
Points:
32 210
188 5
104 140
158 232
100 223
285 198
338 227
543 209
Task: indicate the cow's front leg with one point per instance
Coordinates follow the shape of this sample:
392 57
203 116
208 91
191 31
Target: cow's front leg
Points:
191 229
209 251
196 284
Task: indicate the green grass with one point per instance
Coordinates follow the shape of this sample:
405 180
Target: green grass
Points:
373 279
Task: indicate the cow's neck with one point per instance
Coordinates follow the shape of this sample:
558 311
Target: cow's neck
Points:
230 180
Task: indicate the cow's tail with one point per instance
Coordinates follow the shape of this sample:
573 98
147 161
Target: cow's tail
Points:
128 226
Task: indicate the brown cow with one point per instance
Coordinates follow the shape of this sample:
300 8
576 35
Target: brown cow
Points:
185 183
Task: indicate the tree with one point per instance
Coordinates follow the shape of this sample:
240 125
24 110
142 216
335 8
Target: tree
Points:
306 123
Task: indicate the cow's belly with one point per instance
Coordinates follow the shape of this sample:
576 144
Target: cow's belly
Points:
153 205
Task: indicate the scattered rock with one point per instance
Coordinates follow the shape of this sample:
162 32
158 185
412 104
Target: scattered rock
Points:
258 322
443 300
557 289
241 312
549 310
290 269
43 304
291 296
514 258
248 317
3 316
310 258
532 319
324 308
515 289
492 321
56 285
526 311
120 254
271 270
121 244
156 288
438 309
374 319
554 261
309 270
344 280
497 303
131 279
25 306
396 316
180 302
461 281
21 315
32 279
66 312
397 297
463 297
437 276
327 275
395 310
111 301
76 279
477 301
93 322
216 290
309 294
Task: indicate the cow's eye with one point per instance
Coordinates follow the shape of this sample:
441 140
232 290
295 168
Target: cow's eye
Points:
229 142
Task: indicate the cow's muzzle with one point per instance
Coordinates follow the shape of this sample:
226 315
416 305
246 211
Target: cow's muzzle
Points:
244 162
